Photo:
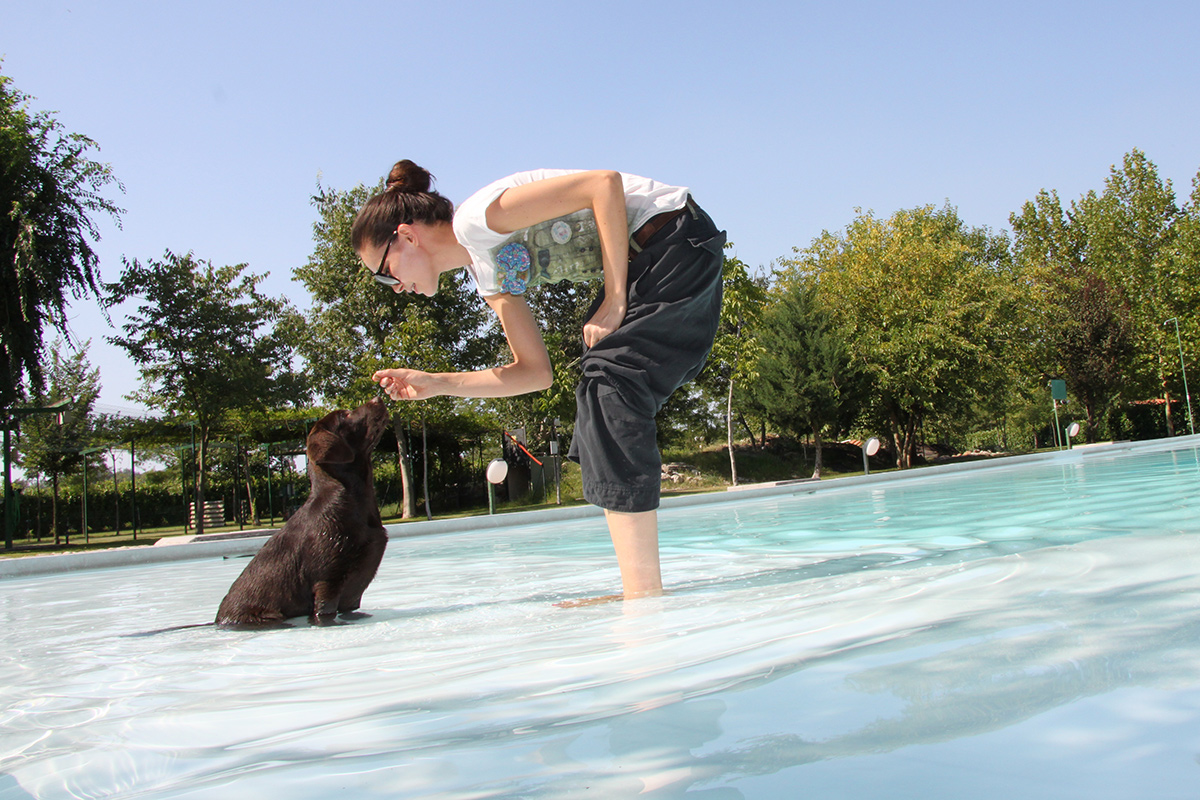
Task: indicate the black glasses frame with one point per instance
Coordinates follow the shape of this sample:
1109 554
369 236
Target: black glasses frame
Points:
380 275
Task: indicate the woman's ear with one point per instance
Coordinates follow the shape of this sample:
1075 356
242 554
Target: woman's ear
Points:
407 232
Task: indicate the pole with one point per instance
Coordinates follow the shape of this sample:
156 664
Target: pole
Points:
83 454
554 445
270 500
1057 436
133 519
83 516
237 459
1183 369
9 523
197 511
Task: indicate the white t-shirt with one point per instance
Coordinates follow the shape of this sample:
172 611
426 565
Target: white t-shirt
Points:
565 248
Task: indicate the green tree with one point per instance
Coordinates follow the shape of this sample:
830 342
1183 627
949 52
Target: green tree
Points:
733 362
1131 241
1083 331
807 382
51 444
50 193
203 340
1186 291
921 302
1106 275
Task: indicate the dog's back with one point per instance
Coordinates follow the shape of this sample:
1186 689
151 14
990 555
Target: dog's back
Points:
325 556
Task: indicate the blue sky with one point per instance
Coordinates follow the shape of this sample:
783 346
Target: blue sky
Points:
221 117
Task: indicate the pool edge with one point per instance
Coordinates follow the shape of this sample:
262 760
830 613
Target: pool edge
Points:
30 566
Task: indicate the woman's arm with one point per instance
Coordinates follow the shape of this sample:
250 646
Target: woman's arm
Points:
603 192
530 370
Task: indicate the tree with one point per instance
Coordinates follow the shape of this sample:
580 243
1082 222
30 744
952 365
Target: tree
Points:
1131 241
51 445
1082 322
50 193
202 340
1186 287
1106 275
736 349
920 301
806 380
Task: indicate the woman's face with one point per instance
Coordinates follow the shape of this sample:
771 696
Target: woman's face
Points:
402 264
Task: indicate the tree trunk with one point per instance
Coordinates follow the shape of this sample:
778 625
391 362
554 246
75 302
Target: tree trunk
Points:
904 434
729 434
116 493
1167 406
749 431
408 503
898 439
425 468
1162 374
819 458
250 498
198 497
54 509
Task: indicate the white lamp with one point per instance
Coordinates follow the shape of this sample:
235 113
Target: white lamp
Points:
496 472
870 447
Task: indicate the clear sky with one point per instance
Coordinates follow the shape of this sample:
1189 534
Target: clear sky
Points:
221 117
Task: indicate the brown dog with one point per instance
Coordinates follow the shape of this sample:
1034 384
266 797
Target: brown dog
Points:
320 562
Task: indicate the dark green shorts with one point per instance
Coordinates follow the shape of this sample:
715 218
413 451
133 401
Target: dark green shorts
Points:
673 311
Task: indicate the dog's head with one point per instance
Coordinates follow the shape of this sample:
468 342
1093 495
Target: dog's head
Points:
341 442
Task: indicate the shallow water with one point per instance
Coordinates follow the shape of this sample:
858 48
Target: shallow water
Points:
1020 631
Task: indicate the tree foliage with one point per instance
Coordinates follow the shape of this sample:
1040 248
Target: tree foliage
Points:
204 342
732 364
807 382
1104 276
52 444
921 303
50 194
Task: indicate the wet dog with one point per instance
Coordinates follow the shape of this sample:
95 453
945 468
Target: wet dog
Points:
321 561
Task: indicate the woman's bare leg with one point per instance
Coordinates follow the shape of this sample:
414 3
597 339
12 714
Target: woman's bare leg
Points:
635 538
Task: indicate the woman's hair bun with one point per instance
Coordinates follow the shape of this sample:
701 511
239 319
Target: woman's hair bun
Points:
408 177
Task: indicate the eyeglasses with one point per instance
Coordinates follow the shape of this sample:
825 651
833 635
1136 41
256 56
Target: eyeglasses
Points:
380 274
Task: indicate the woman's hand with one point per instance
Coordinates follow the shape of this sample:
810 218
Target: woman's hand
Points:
407 384
608 318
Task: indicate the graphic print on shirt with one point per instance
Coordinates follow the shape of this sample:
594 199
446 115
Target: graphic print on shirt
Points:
562 249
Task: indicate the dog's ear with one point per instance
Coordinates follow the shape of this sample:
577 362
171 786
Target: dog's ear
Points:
326 446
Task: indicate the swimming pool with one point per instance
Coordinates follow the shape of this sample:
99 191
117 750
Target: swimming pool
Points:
1023 630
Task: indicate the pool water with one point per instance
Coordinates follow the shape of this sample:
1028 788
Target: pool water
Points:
1030 630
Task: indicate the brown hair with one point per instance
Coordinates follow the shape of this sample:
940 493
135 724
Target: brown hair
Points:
405 199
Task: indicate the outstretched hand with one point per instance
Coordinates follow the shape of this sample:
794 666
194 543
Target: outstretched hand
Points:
406 384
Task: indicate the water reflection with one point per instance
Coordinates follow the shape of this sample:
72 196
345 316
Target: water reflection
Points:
1030 617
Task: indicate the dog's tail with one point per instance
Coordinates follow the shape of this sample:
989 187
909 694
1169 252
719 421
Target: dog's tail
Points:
168 630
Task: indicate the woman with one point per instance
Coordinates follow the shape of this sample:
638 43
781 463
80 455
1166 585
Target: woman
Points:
650 331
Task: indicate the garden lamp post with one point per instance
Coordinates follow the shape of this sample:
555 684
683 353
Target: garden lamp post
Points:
1072 430
497 471
870 447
